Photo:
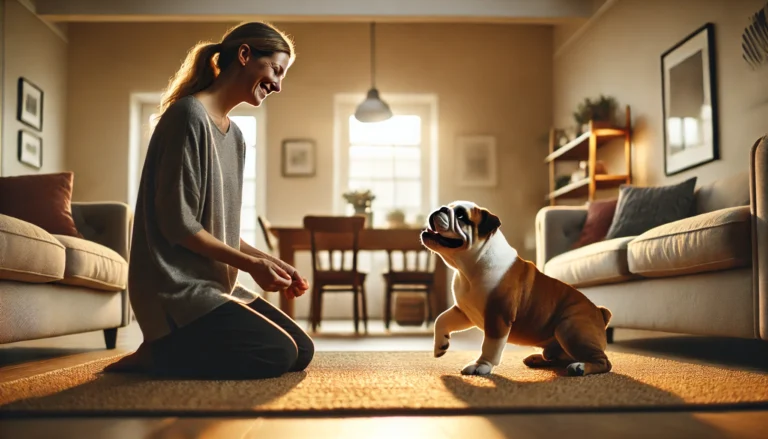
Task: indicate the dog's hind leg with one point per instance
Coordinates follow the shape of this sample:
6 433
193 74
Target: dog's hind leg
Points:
585 342
552 356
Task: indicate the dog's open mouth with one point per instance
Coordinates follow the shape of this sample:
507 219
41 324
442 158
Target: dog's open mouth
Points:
429 234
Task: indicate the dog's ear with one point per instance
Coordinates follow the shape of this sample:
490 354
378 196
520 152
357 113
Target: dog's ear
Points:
489 223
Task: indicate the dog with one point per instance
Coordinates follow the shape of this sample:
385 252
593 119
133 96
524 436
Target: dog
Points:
509 299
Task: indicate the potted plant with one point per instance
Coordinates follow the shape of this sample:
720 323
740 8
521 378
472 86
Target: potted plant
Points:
361 202
601 110
396 219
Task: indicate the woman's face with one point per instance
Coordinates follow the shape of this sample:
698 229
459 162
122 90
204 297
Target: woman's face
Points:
264 75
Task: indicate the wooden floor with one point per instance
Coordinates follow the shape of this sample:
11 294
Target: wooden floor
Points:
30 358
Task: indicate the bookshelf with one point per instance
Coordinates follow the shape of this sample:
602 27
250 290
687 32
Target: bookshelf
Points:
585 147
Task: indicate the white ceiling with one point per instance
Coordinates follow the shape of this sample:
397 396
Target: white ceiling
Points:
504 11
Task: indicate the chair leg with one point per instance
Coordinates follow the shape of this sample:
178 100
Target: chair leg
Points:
320 307
314 315
110 337
609 335
365 308
355 306
388 306
429 305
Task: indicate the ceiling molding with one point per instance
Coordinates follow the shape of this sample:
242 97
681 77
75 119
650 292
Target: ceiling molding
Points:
52 26
537 11
608 4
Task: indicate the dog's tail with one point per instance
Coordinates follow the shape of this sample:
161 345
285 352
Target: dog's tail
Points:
606 314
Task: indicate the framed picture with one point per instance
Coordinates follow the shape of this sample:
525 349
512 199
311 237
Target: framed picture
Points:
30 149
689 96
298 158
476 161
30 104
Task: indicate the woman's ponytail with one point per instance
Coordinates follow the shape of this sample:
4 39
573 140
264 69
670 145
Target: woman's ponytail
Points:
196 73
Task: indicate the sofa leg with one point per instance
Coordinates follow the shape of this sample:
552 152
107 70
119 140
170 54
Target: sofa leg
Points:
110 337
609 335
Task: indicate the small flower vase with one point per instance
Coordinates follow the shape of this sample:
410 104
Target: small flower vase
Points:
364 208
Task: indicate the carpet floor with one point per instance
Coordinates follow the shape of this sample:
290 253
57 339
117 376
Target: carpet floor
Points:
389 382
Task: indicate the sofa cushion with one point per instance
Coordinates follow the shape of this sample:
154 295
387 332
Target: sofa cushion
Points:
732 191
711 241
599 218
640 209
599 263
44 200
93 265
28 253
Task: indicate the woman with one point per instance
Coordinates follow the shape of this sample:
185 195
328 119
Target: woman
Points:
186 248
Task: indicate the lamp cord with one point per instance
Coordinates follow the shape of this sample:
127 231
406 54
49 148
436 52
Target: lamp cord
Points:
373 56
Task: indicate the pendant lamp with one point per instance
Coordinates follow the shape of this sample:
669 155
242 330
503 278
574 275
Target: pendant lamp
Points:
373 109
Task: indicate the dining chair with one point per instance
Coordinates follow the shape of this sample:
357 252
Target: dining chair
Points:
269 238
336 236
415 277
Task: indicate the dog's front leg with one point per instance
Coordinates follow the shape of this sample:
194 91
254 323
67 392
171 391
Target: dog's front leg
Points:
494 341
452 320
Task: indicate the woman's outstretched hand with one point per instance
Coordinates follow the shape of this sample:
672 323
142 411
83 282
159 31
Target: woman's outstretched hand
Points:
269 275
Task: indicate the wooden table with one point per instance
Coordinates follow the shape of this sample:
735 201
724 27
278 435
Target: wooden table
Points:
293 239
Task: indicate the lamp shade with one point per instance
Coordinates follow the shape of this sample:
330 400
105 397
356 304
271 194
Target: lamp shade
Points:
373 109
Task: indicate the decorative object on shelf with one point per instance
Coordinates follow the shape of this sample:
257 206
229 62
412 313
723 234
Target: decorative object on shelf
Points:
689 96
298 158
561 137
562 181
361 203
396 219
601 110
754 40
373 108
592 175
30 149
476 161
29 108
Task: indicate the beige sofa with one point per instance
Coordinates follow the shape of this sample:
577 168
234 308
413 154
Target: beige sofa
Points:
706 274
52 285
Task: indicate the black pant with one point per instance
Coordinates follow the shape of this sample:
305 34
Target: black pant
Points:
235 341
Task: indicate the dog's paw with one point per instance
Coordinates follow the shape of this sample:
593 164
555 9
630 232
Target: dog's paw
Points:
477 368
536 360
575 369
441 345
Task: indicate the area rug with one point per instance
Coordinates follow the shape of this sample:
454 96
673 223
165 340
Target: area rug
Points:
368 383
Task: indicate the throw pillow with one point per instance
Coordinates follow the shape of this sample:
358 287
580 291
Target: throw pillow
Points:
599 219
44 200
640 209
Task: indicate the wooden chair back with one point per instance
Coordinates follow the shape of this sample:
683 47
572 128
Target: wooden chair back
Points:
270 239
410 261
334 236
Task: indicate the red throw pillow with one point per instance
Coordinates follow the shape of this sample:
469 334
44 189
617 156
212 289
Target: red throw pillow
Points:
599 219
44 200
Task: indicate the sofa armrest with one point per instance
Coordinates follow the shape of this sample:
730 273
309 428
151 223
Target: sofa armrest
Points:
758 194
557 228
109 224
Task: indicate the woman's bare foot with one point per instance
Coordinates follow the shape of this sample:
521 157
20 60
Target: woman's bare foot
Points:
137 362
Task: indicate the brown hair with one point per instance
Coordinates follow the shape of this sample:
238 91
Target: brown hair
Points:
206 60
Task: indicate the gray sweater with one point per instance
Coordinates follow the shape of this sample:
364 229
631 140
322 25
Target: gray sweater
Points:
191 180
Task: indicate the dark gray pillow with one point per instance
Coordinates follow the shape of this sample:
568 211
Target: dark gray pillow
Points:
640 209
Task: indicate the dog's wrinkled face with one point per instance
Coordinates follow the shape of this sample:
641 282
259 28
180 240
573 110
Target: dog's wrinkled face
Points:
459 226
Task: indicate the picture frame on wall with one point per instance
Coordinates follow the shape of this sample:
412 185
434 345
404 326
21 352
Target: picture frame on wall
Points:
30 104
30 149
298 158
689 96
476 161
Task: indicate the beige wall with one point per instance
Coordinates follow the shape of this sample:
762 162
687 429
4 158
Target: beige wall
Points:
493 79
619 54
34 51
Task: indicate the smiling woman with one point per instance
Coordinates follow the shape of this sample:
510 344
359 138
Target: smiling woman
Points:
187 249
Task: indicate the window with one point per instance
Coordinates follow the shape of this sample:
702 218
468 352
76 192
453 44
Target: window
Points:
386 157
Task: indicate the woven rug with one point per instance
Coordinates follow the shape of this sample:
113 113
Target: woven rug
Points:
363 383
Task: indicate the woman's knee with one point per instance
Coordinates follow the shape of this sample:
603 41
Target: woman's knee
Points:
306 352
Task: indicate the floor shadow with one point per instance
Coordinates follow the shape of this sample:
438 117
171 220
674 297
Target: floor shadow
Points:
718 351
121 394
20 355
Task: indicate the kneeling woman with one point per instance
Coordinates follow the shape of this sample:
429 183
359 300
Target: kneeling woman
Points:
186 248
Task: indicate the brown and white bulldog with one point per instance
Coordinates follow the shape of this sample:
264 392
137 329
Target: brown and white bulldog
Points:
509 299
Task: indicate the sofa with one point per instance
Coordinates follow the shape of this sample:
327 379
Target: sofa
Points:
706 274
53 285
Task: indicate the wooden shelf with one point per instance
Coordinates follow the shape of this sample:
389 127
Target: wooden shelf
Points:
578 148
580 188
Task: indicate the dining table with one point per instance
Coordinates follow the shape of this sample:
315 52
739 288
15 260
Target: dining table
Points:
294 239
